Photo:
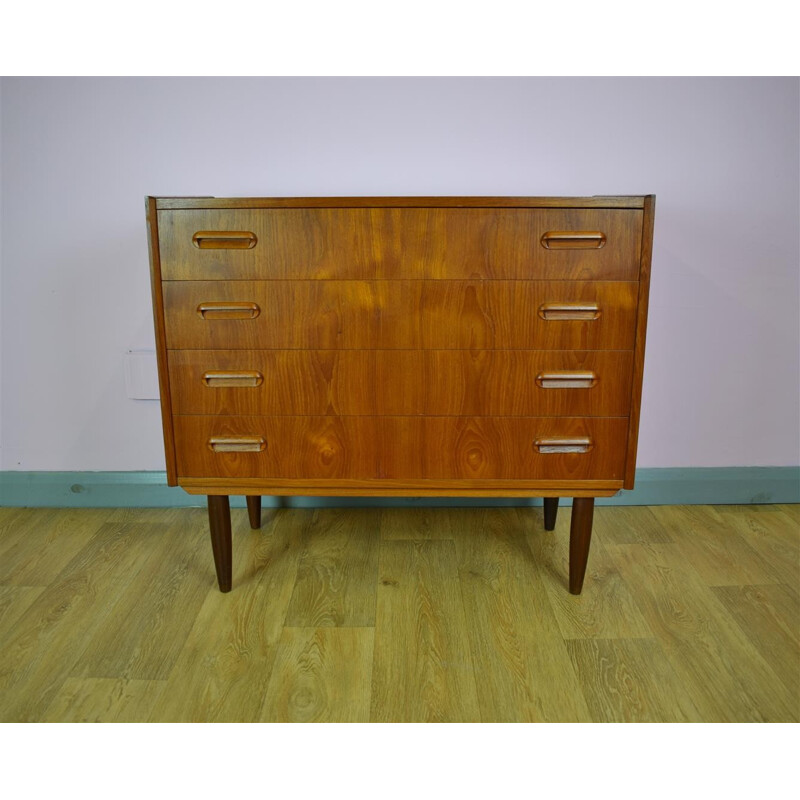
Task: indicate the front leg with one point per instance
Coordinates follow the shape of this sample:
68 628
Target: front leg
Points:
580 537
219 519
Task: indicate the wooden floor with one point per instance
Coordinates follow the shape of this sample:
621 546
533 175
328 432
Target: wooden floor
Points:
688 614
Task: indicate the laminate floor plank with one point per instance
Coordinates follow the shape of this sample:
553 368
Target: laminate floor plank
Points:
770 618
714 547
607 608
630 680
13 522
14 602
321 675
103 700
154 614
792 509
423 668
49 638
430 523
44 542
628 525
18 525
338 570
512 630
775 537
726 677
223 671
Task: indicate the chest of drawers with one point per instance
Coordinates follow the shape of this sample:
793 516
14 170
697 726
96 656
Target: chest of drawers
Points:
464 347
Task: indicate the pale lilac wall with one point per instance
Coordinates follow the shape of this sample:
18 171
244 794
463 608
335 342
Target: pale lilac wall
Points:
78 155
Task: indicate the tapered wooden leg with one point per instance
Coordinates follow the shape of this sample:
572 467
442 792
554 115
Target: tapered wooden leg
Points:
219 519
580 537
254 510
550 512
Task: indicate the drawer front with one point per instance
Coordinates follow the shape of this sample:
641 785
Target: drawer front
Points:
401 382
473 448
400 243
323 315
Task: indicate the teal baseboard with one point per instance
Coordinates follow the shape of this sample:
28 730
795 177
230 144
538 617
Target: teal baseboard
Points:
673 486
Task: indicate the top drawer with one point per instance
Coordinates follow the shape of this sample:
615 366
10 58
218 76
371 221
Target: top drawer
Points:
400 243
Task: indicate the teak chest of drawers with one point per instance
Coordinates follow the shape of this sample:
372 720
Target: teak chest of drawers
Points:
466 347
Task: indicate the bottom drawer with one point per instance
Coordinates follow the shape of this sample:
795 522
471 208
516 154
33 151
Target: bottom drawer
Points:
413 448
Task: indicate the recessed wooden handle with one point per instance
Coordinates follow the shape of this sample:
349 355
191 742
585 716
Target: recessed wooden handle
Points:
569 311
225 240
228 310
566 380
237 444
556 444
221 378
573 240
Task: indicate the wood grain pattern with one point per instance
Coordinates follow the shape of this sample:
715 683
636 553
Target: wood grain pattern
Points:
630 680
156 287
474 448
775 537
85 590
422 664
104 700
630 525
14 602
394 243
61 541
337 573
715 549
609 610
409 487
705 647
321 675
376 383
728 652
512 631
641 336
177 568
353 315
13 524
224 668
429 523
770 618
596 201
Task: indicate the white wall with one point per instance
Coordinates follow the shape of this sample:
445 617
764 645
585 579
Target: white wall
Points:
78 156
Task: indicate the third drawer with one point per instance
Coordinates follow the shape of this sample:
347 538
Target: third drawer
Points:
401 382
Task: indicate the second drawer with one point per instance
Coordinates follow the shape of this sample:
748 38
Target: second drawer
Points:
398 315
401 382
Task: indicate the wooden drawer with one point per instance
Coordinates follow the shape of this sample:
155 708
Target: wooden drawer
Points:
322 315
400 243
472 448
401 382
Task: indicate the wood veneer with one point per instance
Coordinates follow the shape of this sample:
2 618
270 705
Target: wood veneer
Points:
415 315
376 382
401 346
399 244
400 447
